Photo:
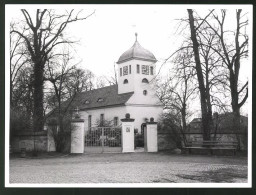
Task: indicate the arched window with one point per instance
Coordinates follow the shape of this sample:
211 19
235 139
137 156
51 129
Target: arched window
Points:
145 92
144 80
125 81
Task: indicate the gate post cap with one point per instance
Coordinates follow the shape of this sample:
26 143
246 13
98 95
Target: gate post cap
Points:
75 120
152 121
127 118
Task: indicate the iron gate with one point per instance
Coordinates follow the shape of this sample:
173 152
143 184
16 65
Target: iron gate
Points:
103 139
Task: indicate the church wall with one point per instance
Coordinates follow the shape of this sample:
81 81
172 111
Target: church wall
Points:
109 114
139 113
149 99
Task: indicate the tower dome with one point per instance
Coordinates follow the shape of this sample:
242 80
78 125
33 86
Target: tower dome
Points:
137 52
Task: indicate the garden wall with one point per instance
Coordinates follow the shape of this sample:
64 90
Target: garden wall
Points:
169 141
27 140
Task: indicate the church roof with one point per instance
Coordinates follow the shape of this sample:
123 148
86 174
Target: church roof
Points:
102 97
97 98
137 52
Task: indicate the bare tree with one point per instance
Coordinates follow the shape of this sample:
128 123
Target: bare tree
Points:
41 36
57 73
79 80
204 97
178 90
231 55
18 61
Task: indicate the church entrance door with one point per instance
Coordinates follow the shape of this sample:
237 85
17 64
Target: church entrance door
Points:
103 140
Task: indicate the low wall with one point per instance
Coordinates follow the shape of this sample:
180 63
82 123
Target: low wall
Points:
169 141
28 139
241 138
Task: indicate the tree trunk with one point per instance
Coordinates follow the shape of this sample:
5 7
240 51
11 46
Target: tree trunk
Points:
38 114
206 116
184 124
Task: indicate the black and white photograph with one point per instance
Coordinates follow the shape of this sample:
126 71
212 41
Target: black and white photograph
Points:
135 95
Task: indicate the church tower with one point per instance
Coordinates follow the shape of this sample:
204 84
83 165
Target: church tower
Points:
136 69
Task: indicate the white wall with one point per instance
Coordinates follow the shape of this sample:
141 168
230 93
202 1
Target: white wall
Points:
134 79
109 114
127 137
77 138
139 113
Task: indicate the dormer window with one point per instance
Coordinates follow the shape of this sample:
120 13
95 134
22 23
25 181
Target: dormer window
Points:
144 80
100 100
125 81
86 102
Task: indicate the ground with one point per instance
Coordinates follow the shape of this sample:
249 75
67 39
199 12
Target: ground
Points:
128 168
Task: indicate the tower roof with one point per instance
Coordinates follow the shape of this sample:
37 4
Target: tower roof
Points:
137 52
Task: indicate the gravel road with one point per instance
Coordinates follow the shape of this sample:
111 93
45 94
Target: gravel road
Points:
129 168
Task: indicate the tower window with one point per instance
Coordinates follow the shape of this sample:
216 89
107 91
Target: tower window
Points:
144 80
145 69
125 81
145 92
151 70
120 72
125 69
138 68
130 69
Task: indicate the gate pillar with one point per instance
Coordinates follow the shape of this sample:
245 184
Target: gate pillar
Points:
127 134
77 136
150 136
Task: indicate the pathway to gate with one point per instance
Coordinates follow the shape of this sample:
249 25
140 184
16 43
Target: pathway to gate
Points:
129 168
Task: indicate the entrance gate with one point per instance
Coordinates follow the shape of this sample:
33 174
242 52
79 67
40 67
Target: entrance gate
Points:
103 139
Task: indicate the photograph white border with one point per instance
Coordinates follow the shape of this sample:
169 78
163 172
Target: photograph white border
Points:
124 185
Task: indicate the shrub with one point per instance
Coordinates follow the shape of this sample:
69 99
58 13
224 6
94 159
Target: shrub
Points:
61 138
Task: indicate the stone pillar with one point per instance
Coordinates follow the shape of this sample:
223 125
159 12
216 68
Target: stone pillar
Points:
150 140
77 136
127 134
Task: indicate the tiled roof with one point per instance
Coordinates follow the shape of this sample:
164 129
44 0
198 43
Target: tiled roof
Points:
97 98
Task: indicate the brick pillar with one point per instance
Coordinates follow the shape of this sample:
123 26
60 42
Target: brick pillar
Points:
127 134
77 136
150 138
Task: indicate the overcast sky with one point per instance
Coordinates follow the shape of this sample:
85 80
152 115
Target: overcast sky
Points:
111 31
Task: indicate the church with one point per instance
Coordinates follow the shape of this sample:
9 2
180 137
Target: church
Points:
135 93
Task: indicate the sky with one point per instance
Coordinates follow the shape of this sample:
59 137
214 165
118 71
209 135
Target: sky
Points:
110 31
